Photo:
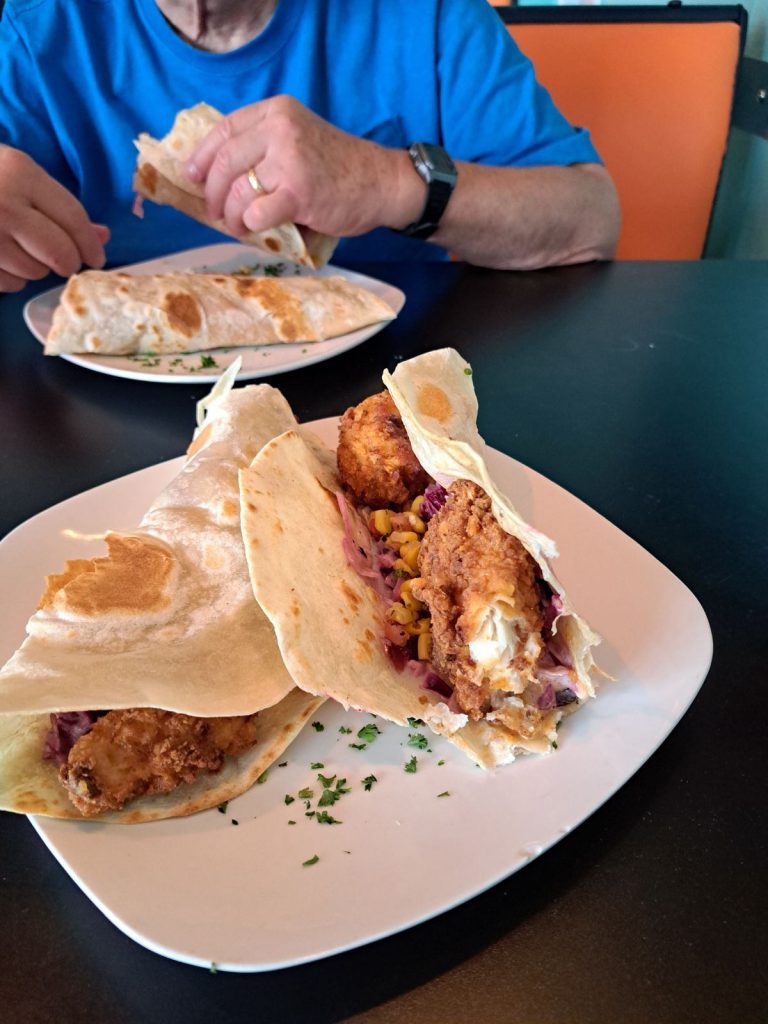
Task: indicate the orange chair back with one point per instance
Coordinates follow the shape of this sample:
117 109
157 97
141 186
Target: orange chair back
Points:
657 99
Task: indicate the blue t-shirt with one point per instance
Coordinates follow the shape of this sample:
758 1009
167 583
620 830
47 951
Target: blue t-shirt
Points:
81 78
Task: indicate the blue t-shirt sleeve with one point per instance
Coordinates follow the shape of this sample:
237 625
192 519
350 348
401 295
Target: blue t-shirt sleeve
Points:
24 121
493 111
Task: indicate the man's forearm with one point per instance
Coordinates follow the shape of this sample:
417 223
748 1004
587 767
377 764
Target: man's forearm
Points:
520 218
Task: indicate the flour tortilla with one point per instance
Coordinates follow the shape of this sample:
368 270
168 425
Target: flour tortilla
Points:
114 313
326 618
165 619
160 177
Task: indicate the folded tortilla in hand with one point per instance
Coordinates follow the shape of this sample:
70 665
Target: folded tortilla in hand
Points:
160 177
424 595
114 313
150 684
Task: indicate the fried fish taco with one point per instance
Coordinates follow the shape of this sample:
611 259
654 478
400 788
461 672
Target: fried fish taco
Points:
150 684
423 594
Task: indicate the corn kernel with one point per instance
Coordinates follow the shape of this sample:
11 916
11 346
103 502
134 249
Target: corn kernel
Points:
419 627
403 567
416 524
402 536
399 613
424 647
417 503
410 601
382 521
409 552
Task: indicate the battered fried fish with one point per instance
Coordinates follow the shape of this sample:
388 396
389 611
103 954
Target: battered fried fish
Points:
479 585
141 751
375 458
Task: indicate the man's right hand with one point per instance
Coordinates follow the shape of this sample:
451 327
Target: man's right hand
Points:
43 228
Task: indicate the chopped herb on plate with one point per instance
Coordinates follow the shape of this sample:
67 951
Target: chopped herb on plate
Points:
311 861
318 726
368 782
411 766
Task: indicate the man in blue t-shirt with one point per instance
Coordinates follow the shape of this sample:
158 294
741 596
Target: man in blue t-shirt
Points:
324 100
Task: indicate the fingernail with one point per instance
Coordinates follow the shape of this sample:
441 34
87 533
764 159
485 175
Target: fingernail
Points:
192 171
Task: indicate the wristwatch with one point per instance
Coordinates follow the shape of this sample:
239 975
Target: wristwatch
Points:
436 168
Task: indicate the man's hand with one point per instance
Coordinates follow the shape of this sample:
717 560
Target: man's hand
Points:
43 228
312 173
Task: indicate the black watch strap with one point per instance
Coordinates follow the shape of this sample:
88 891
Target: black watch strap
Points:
435 167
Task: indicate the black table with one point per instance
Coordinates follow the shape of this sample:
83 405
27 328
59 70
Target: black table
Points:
641 388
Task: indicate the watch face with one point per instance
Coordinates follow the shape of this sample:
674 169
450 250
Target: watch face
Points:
437 161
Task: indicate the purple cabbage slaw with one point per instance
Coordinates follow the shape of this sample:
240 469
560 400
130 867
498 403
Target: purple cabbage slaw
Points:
65 730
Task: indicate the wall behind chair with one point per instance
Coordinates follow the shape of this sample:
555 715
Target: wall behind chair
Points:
739 228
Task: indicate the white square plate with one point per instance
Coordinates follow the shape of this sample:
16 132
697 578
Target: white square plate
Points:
195 367
204 890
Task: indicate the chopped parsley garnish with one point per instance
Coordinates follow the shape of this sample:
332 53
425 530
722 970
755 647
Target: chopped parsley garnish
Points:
262 778
324 780
235 821
343 729
310 862
324 818
309 814
416 739
440 764
222 808
213 969
273 269
206 362
368 782
468 370
329 798
414 722
316 764
318 726
411 766
358 746
283 764
289 799
291 822
554 744
369 732
306 793
445 793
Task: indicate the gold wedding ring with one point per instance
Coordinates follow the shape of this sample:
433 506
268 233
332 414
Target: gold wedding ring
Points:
254 182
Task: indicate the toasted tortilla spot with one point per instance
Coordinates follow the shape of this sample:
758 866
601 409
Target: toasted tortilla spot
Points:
229 508
423 700
54 583
131 578
213 558
200 441
183 313
272 243
433 401
345 620
351 597
75 297
370 635
277 526
285 309
148 175
362 651
96 343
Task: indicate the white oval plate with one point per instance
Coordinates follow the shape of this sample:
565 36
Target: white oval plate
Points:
195 367
203 890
